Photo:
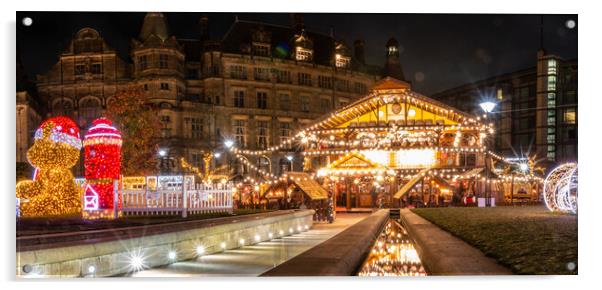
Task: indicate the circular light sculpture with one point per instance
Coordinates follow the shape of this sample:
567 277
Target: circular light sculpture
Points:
560 189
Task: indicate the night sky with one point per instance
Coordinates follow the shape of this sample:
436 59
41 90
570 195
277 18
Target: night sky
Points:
438 51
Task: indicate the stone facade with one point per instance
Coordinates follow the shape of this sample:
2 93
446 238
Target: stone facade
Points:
257 86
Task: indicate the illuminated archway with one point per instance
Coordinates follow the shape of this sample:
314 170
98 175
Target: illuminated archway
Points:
560 189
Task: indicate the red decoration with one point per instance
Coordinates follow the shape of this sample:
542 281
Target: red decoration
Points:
102 162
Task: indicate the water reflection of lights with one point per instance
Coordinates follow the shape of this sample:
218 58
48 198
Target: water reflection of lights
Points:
393 254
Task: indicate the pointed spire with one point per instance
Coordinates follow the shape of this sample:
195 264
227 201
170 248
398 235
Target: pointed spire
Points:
154 24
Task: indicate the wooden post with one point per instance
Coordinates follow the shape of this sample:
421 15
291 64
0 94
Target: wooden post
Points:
184 201
348 195
116 198
512 190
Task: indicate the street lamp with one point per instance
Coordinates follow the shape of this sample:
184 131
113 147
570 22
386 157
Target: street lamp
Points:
488 107
229 143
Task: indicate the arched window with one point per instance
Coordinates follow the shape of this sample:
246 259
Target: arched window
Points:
264 164
285 165
62 107
89 110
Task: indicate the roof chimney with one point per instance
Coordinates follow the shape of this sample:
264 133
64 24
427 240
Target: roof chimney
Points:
297 22
358 51
204 27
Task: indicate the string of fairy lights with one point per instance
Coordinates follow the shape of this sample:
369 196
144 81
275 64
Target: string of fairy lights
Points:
320 139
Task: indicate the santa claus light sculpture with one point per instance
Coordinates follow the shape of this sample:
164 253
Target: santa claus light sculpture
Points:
102 162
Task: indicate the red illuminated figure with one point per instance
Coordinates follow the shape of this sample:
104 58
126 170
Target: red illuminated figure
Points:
102 162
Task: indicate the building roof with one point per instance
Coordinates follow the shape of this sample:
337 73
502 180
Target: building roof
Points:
374 99
282 39
154 24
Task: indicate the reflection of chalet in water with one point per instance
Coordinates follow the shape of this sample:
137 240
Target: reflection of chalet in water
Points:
397 143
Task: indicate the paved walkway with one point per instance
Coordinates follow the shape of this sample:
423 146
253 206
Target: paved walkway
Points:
444 254
256 259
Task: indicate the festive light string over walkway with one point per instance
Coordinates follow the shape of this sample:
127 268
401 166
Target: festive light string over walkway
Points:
560 189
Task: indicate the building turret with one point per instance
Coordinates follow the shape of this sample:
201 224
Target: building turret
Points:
156 52
392 66
154 24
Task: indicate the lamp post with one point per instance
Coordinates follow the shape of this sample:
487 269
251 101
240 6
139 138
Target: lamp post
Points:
229 144
162 153
290 159
488 108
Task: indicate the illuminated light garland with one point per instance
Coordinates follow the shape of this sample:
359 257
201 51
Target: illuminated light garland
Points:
102 163
54 191
442 149
560 189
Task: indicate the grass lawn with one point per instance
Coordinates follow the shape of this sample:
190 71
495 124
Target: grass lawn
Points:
36 226
527 239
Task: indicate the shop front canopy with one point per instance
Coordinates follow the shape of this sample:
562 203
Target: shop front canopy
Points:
406 187
308 185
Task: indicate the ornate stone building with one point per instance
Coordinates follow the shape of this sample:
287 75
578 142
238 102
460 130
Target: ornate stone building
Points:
256 85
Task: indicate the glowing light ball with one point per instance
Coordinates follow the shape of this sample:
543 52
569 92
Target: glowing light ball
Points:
102 162
560 188
53 192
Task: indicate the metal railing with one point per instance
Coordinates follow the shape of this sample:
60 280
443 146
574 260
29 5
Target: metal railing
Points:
202 198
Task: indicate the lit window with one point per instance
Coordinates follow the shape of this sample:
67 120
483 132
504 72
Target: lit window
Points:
570 116
164 86
552 83
303 54
262 134
392 50
285 133
240 132
342 61
500 94
552 67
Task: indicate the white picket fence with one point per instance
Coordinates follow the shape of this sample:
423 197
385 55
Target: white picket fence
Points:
201 198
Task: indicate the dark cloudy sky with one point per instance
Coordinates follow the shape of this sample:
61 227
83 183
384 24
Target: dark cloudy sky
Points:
439 51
